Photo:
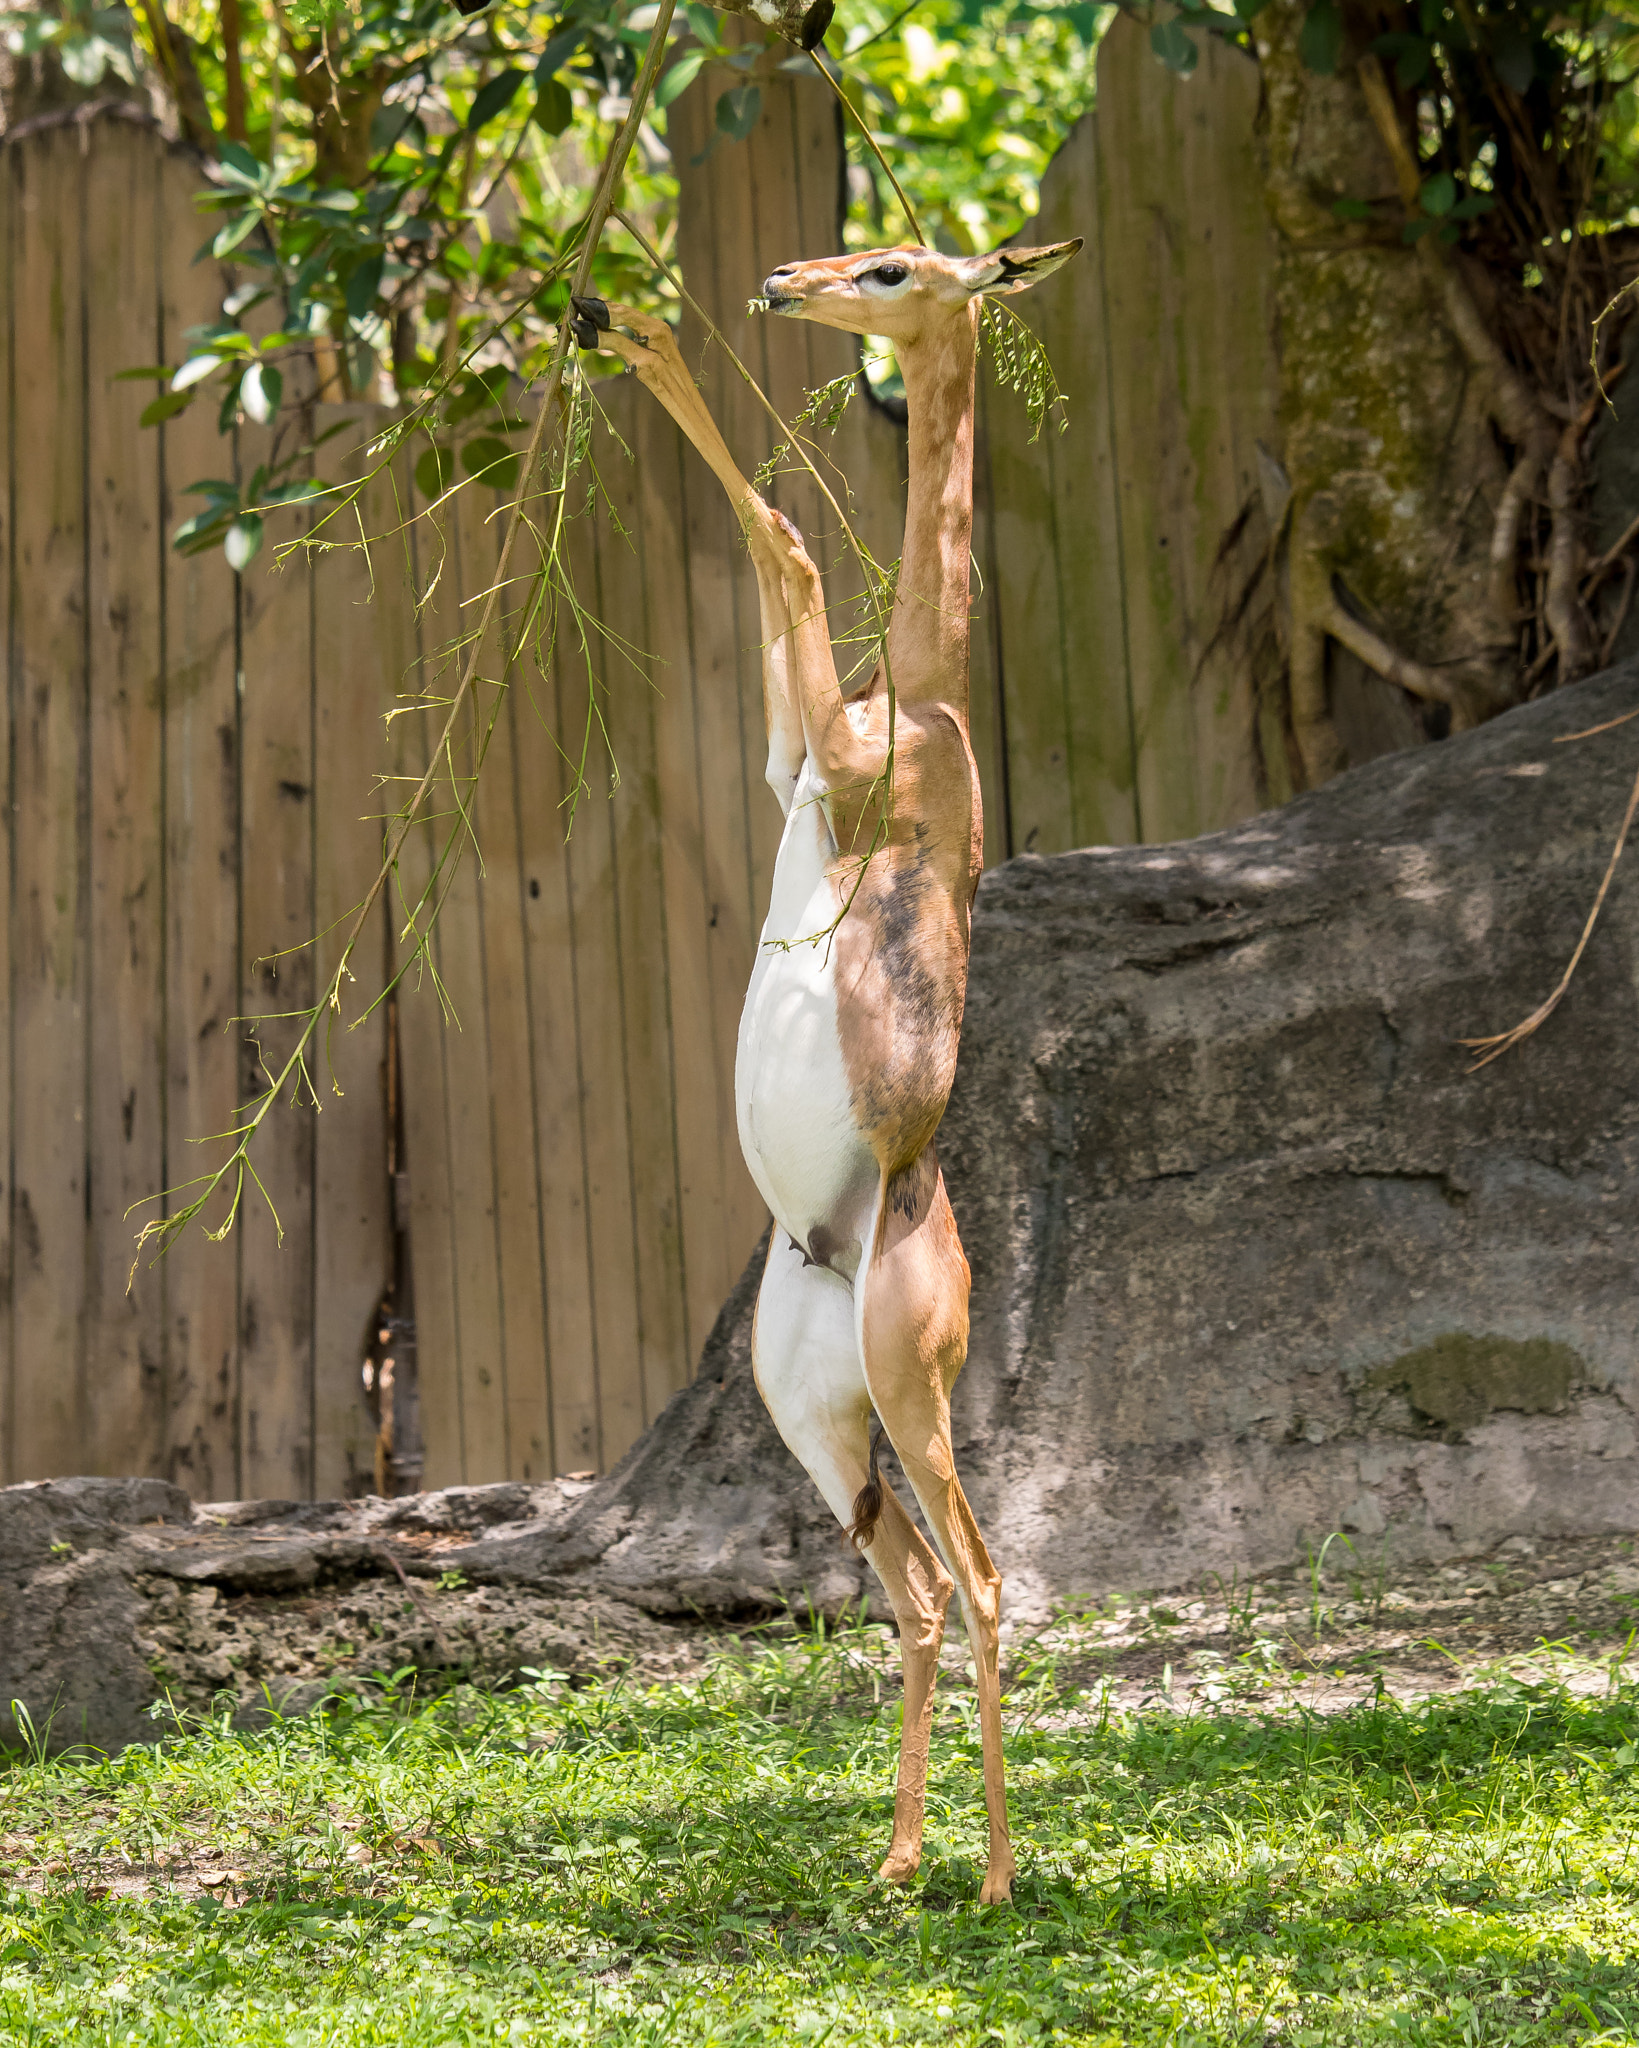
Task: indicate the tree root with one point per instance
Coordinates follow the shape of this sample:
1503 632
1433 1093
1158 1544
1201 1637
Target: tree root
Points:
1393 666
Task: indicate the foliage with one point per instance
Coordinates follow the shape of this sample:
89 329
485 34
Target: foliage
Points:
1524 110
691 1864
968 100
398 185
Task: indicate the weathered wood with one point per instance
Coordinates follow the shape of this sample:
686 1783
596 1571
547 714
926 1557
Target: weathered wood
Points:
124 1331
362 651
707 1151
12 1391
586 678
1189 310
50 710
276 977
509 1046
422 1036
541 780
641 933
197 698
579 1204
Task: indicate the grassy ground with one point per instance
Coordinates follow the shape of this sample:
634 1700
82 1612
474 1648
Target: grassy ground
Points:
691 1864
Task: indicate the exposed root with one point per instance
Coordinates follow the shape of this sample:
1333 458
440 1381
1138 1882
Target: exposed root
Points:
1505 531
1389 663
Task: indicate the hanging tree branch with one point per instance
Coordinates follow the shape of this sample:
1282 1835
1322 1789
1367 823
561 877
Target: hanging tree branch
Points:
295 1072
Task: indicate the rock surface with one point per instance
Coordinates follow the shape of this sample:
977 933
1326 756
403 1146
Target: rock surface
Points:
1255 1256
1255 1259
120 1600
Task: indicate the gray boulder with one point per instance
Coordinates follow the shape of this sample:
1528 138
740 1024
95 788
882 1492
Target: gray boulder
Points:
1255 1256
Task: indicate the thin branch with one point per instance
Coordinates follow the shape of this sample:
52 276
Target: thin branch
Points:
1493 1048
858 119
165 1228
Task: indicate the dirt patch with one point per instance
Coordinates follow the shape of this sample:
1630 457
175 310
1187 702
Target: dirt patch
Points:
1348 1627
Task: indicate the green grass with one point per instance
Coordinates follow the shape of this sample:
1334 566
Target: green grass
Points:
692 1865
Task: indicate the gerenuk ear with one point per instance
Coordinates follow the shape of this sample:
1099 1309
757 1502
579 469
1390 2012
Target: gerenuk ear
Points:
1016 270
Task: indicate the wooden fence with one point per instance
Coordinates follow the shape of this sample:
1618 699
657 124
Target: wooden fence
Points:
191 764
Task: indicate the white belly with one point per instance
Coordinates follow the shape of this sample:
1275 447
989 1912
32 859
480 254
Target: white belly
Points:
797 1130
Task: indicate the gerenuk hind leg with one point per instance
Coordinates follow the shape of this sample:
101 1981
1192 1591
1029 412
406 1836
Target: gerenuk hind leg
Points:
806 1357
913 1330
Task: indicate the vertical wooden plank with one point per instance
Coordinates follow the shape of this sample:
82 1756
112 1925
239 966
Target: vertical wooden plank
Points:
714 238
49 963
738 814
594 938
643 963
540 778
124 1332
461 934
1188 277
708 1157
503 1342
197 1281
518 1192
1059 548
422 1037
276 976
10 495
362 649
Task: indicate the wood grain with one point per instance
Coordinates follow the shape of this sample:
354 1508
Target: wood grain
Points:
51 706
362 649
278 919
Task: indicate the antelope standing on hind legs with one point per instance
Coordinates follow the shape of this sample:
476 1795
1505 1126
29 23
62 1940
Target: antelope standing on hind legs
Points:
848 1038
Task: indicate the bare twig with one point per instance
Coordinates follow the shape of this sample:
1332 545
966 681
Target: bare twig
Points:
238 1164
1494 1047
858 119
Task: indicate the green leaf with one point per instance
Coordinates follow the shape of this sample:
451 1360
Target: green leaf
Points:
558 51
166 406
194 371
229 411
233 232
1415 230
682 74
1472 205
737 111
703 22
217 487
239 166
1439 194
434 473
1249 10
492 460
243 540
1351 209
1320 44
364 285
554 107
1175 47
202 531
494 98
291 494
260 392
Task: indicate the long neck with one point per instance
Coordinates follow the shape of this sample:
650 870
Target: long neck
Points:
928 639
